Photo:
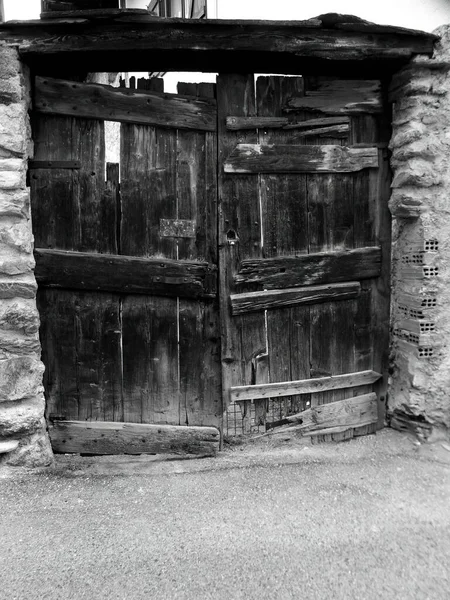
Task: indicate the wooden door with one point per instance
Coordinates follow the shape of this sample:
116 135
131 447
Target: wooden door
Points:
304 237
127 267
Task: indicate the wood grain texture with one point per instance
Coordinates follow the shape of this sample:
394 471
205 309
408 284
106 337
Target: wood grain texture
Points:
132 438
95 101
323 267
243 338
282 158
335 96
272 122
284 225
351 412
305 386
107 39
124 274
270 299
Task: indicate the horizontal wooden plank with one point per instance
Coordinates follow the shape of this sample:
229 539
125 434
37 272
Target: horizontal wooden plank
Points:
92 100
283 158
97 437
237 123
302 386
54 164
125 274
267 299
351 412
311 269
332 97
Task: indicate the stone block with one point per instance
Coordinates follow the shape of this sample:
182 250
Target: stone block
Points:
414 132
15 203
416 173
17 289
21 417
10 65
19 316
10 180
14 344
14 128
17 236
20 378
34 451
17 266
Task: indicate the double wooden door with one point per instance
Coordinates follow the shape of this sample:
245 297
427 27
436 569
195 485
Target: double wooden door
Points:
243 242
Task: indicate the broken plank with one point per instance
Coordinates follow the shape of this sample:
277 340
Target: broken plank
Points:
104 437
309 269
282 158
303 386
340 96
95 101
269 299
126 274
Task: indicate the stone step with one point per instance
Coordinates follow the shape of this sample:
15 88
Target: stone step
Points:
8 446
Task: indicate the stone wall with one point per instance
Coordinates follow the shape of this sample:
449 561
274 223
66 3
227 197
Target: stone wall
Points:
419 395
21 393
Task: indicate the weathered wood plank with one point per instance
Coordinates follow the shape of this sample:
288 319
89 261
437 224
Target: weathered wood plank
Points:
95 101
270 299
271 122
108 40
282 158
125 274
340 96
243 338
132 438
356 411
54 164
323 267
303 386
81 349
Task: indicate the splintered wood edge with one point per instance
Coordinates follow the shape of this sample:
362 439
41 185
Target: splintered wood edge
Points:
303 386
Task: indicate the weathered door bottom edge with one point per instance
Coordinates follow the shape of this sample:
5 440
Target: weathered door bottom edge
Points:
104 437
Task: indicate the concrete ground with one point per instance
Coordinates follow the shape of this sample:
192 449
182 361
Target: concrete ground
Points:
364 519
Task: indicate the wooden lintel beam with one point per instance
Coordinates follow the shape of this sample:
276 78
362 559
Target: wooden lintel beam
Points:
311 269
269 299
303 386
124 274
104 437
59 97
101 42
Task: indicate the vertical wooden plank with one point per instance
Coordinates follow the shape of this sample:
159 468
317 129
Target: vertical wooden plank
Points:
199 336
150 323
239 232
98 356
150 360
80 332
373 227
56 222
200 375
285 232
58 340
330 226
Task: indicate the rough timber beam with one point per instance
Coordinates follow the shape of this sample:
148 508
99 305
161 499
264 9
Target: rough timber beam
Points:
114 39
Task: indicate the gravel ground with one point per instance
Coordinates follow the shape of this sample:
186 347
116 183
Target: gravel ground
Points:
365 519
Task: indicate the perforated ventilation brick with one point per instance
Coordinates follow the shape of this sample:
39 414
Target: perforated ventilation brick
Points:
413 259
427 327
431 245
429 302
429 272
426 352
416 314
